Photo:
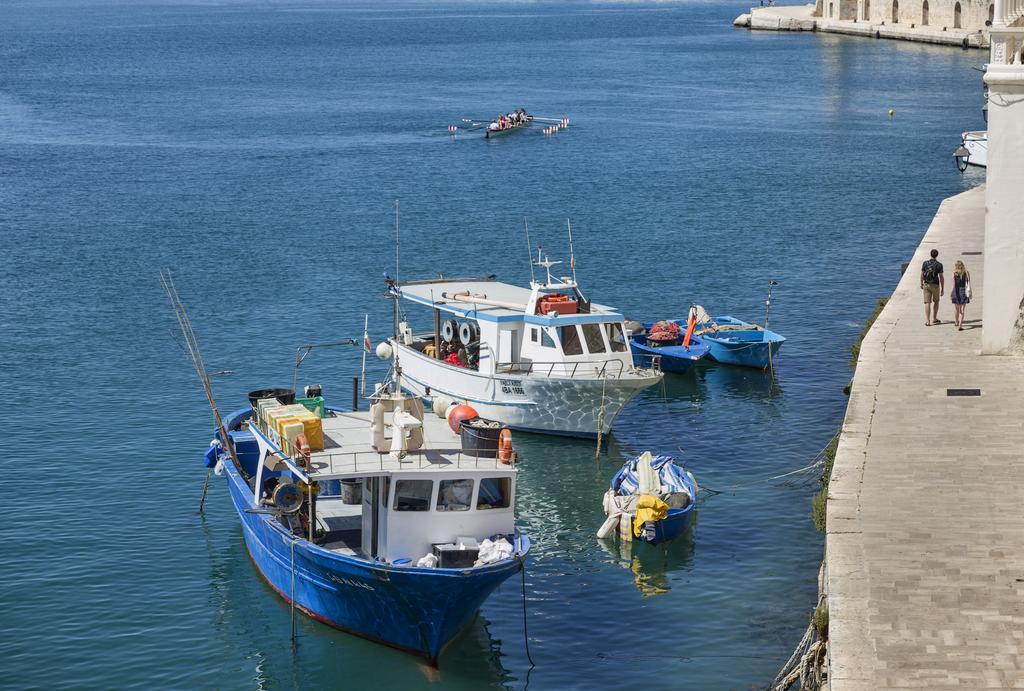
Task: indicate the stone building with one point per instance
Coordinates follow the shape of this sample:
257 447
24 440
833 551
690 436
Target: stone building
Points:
938 15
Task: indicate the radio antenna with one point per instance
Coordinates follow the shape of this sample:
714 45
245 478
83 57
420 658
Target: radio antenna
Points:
572 255
529 250
396 241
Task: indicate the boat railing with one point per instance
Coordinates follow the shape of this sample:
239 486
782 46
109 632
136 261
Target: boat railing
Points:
590 369
326 464
647 361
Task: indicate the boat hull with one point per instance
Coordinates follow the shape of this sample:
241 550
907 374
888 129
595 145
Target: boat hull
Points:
677 359
547 405
415 610
751 347
976 143
676 523
490 134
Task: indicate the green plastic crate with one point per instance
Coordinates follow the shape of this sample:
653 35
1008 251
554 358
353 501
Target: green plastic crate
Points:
314 405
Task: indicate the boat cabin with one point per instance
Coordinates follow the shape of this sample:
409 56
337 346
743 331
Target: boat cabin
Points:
493 328
393 485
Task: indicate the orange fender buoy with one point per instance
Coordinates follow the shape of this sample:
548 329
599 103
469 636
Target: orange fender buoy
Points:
505 445
459 414
302 448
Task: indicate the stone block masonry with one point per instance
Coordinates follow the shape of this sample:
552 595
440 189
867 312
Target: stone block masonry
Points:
826 17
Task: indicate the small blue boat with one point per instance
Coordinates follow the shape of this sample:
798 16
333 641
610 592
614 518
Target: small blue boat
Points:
674 356
735 342
655 487
418 532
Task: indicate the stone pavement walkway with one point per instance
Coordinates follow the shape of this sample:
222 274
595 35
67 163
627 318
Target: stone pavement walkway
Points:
925 544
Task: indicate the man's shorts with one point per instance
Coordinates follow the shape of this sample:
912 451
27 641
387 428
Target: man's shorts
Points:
931 292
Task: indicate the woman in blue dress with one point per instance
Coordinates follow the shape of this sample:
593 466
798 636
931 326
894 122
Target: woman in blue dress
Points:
961 293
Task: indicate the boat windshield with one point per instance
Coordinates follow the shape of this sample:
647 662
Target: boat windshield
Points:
595 341
615 337
570 337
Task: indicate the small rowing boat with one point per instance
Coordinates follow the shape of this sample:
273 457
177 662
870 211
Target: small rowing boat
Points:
508 122
665 343
650 499
504 124
734 342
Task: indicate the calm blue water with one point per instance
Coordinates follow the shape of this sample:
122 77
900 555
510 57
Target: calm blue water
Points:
258 149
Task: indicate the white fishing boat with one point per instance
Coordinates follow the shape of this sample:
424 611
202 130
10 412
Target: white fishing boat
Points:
540 359
973 150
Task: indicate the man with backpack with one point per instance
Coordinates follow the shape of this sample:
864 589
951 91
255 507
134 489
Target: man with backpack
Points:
934 286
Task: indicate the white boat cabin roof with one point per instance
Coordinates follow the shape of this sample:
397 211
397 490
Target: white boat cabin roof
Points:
516 302
349 452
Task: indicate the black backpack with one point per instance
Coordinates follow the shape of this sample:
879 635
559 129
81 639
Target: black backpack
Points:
931 271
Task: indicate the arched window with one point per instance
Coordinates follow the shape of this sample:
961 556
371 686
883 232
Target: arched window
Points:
895 11
991 14
924 13
830 10
956 16
867 10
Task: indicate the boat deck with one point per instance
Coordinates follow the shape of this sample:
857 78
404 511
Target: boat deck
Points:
342 525
348 451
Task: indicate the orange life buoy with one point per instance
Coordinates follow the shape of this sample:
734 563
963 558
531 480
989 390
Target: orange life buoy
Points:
302 447
505 445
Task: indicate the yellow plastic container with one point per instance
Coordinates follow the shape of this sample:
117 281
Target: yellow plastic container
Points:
273 419
290 430
264 405
314 429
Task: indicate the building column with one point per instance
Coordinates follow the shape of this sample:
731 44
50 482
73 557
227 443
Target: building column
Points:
1003 306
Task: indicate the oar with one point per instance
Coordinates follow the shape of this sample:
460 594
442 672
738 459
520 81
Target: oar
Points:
534 117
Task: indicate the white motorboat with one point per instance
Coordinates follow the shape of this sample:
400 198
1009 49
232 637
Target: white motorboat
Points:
973 150
540 359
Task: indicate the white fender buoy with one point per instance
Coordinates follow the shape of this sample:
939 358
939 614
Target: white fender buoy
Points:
610 524
441 405
384 350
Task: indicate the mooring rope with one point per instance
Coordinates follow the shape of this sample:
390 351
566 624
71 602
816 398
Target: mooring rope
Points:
600 418
526 632
819 461
206 487
293 590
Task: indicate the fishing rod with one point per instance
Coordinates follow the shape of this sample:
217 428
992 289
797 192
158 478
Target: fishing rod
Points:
192 343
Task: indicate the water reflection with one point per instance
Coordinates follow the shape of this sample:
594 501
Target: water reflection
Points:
739 382
256 622
652 566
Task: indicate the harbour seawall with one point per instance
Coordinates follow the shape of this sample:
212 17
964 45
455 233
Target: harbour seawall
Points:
925 534
815 18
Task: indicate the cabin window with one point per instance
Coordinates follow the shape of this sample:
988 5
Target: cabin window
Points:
413 495
595 341
615 338
455 495
571 344
495 493
533 335
546 340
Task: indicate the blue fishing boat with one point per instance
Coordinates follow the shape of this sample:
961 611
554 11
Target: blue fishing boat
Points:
670 352
735 342
650 499
378 523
